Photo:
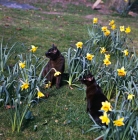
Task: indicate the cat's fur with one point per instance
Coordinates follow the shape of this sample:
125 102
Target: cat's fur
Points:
94 97
57 61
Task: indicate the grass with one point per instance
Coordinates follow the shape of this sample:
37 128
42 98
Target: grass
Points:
62 115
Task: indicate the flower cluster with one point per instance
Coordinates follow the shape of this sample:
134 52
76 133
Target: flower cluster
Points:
106 106
107 60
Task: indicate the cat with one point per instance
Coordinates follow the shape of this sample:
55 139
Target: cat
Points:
57 61
94 97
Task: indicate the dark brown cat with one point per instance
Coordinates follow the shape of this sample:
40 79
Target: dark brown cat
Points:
57 61
94 97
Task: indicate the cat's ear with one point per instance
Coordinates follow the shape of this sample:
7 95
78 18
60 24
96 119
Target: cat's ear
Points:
55 47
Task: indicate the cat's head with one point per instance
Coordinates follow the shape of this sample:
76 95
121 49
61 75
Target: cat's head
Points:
53 53
87 79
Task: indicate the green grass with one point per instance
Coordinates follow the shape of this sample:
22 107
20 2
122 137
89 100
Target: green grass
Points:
66 106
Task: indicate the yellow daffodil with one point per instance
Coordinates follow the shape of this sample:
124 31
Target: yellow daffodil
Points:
79 45
126 0
127 30
125 52
107 56
48 84
119 122
95 20
106 61
102 50
104 28
113 27
22 64
107 33
40 94
111 22
89 56
121 72
24 85
106 106
122 28
105 118
57 73
130 96
33 48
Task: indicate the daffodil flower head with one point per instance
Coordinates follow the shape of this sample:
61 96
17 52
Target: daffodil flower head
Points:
106 106
130 96
122 28
119 122
127 30
121 72
104 28
33 48
25 85
95 20
79 45
105 118
126 0
89 56
39 94
111 22
22 64
107 32
102 50
125 52
106 61
113 27
107 56
48 84
57 73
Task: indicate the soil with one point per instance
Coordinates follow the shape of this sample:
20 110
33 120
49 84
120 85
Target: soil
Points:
102 8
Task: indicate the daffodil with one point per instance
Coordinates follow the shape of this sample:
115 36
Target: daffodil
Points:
79 45
107 33
113 27
104 28
106 61
48 84
121 72
122 28
105 118
57 73
106 106
95 20
107 56
126 0
127 30
40 94
24 85
125 52
119 122
111 22
33 48
102 50
130 96
22 64
89 56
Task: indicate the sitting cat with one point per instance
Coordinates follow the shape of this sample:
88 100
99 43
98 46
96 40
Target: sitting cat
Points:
57 61
94 97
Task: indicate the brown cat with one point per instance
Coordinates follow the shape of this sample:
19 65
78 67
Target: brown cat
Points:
57 61
94 97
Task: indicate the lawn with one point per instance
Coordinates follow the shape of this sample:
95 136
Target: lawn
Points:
61 116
